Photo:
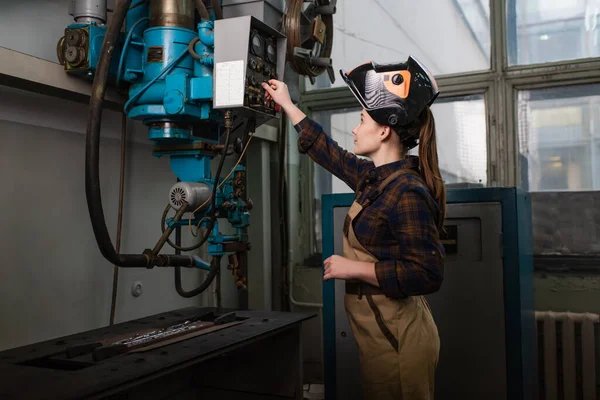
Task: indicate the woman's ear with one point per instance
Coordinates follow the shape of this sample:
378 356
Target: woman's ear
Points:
385 132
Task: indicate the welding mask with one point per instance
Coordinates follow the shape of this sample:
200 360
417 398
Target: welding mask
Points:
393 94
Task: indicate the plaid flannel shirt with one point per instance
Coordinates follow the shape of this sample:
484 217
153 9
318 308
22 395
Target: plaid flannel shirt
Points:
399 227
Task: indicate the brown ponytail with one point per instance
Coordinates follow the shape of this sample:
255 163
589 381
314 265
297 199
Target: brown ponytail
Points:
428 163
424 128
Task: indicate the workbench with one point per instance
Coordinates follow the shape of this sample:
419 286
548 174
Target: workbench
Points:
260 357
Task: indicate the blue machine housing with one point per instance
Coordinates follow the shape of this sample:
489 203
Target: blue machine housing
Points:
518 284
170 75
93 47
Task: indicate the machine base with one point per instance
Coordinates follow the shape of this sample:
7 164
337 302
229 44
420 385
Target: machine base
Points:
260 357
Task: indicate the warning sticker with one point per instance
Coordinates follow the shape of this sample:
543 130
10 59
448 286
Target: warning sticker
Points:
229 84
155 54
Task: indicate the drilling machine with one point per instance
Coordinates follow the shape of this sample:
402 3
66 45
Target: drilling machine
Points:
194 79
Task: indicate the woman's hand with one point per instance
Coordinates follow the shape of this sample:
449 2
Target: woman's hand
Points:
278 91
337 267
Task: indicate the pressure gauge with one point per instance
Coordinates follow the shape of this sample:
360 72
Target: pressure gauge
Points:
271 53
257 45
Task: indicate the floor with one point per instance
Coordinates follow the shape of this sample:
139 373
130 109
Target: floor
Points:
314 392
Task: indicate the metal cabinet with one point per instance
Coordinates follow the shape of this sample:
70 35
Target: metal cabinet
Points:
484 310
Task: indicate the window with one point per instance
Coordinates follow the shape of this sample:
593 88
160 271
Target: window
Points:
461 135
559 138
461 141
544 31
447 36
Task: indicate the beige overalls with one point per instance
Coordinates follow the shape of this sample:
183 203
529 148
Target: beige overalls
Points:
397 338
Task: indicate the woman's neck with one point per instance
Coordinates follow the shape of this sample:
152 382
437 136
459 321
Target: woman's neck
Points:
385 156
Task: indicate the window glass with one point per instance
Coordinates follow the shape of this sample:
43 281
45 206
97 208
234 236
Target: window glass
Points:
447 36
559 138
461 141
544 31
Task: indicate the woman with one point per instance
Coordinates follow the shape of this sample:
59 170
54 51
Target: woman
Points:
392 250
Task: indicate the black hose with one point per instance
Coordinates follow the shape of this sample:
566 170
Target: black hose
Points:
216 5
202 10
215 266
283 211
92 155
207 281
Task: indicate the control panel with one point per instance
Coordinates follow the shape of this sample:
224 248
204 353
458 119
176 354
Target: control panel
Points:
247 53
262 66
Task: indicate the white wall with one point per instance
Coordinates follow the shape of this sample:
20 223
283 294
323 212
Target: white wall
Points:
53 279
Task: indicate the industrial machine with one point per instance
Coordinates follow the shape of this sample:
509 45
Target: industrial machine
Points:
484 310
193 77
192 73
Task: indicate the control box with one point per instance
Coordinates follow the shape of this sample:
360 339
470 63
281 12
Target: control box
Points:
247 53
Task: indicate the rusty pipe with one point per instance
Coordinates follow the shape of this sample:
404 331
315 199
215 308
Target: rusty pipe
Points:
179 13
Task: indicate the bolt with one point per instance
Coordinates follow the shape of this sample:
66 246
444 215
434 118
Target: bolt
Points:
137 289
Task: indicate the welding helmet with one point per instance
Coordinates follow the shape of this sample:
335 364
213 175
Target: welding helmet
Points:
393 94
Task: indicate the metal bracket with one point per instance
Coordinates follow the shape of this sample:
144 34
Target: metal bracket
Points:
316 61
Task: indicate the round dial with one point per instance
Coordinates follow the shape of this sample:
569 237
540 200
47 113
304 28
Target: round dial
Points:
271 53
257 45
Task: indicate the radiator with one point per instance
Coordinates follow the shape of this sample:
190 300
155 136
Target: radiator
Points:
566 359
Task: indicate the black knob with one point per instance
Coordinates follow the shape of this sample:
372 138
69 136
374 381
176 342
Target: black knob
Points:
397 79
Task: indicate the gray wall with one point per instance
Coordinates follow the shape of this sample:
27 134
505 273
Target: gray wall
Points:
49 17
54 281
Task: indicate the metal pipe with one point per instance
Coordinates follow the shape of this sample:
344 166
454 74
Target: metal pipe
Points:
165 235
88 11
113 304
178 13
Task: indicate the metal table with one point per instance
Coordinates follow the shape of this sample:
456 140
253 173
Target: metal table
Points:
260 357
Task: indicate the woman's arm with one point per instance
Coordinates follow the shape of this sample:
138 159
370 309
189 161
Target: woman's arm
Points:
417 270
314 142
